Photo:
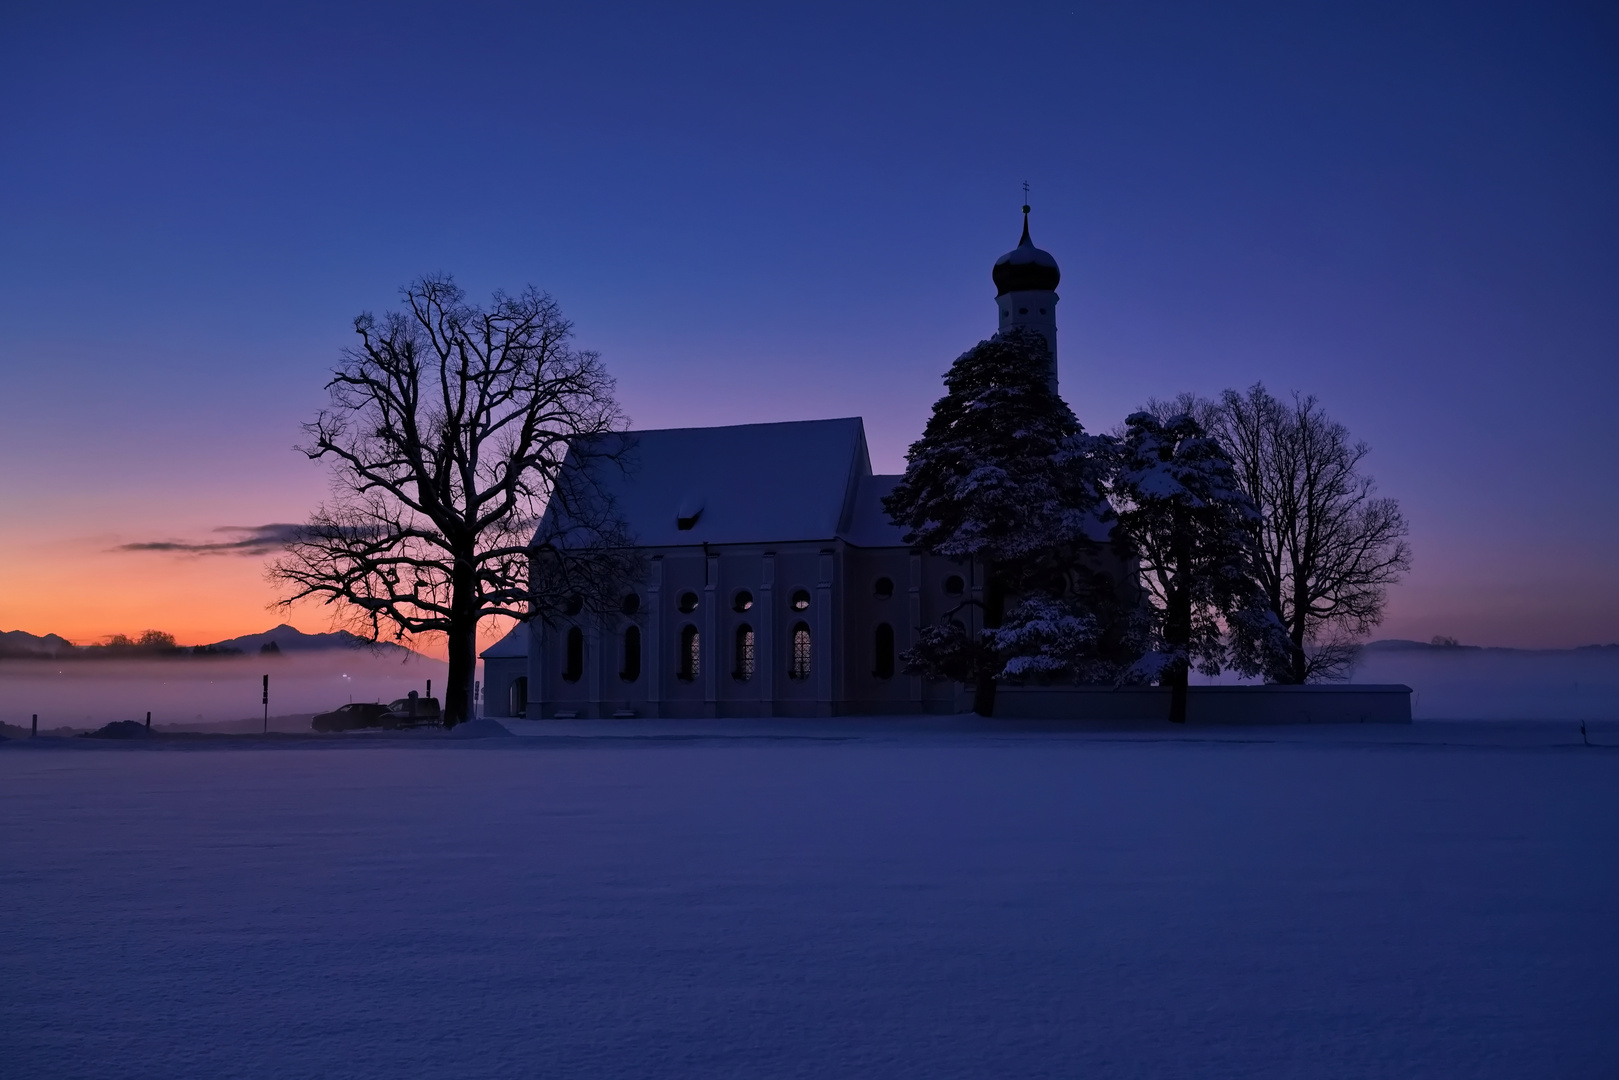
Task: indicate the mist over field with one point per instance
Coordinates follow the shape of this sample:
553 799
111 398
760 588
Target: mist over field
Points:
1461 683
204 690
1450 684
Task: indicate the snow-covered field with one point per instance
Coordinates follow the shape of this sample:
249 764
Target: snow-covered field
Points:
815 901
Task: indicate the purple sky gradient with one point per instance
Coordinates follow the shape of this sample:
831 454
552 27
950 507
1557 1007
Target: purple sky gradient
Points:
1409 211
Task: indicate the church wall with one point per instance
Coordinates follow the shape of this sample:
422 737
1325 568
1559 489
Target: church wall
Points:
498 675
843 616
771 575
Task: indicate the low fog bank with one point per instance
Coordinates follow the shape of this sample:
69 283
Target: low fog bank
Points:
187 692
1463 683
1451 683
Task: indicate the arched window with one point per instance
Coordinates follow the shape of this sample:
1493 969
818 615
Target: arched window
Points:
688 602
742 601
575 664
884 666
630 604
575 605
744 653
954 585
884 588
632 655
800 666
691 653
517 697
801 599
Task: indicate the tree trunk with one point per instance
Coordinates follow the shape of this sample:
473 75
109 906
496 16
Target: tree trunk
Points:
463 664
1178 618
1177 694
1301 603
463 646
994 615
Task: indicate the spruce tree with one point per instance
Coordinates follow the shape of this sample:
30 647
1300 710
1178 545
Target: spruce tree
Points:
1004 476
1188 524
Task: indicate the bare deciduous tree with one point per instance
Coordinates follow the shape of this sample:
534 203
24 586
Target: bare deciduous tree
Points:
1328 547
449 431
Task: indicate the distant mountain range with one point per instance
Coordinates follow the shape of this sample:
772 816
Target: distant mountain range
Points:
1390 645
17 644
288 639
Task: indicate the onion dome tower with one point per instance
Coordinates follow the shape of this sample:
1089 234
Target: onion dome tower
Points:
1026 283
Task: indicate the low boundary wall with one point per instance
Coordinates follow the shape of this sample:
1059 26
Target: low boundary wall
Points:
1341 703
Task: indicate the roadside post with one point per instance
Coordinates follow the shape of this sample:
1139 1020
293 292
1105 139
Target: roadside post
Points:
267 704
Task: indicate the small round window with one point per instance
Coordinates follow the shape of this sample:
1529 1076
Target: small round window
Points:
954 585
630 604
575 605
688 602
742 601
884 588
801 599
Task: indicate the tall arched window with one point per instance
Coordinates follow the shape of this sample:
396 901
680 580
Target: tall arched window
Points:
800 666
632 655
884 666
744 653
575 663
691 653
517 697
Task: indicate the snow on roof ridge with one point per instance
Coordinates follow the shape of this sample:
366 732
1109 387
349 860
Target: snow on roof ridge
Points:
734 427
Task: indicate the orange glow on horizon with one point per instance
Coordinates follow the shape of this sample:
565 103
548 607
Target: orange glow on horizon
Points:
85 591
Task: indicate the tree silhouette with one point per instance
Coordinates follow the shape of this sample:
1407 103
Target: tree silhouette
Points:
451 428
1327 546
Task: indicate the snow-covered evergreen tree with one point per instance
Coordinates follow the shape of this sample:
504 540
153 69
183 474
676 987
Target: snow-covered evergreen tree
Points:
1004 476
1185 518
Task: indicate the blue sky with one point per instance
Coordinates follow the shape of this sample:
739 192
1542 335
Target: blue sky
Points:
783 213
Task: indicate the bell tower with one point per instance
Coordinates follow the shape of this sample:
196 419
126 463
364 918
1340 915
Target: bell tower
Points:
1026 292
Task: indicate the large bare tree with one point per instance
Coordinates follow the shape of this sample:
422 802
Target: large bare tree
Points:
1327 546
450 430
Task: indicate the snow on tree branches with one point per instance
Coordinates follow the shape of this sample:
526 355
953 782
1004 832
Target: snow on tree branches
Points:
1188 524
1004 476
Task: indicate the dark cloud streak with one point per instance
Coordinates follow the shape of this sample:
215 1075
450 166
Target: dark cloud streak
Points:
251 540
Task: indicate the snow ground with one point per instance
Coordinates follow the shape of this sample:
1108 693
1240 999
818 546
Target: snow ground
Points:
815 900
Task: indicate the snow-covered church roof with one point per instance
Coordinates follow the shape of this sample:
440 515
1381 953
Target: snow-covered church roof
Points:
802 480
513 646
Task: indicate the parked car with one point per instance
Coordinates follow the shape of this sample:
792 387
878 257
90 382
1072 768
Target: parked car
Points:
358 714
412 711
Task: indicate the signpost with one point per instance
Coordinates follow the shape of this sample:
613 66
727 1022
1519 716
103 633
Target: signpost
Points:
267 704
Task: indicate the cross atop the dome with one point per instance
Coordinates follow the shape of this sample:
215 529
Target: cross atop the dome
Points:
1025 198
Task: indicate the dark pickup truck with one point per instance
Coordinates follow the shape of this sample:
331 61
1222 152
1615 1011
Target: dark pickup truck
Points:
412 711
359 714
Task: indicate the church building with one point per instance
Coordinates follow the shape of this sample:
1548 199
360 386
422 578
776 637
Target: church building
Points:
776 583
